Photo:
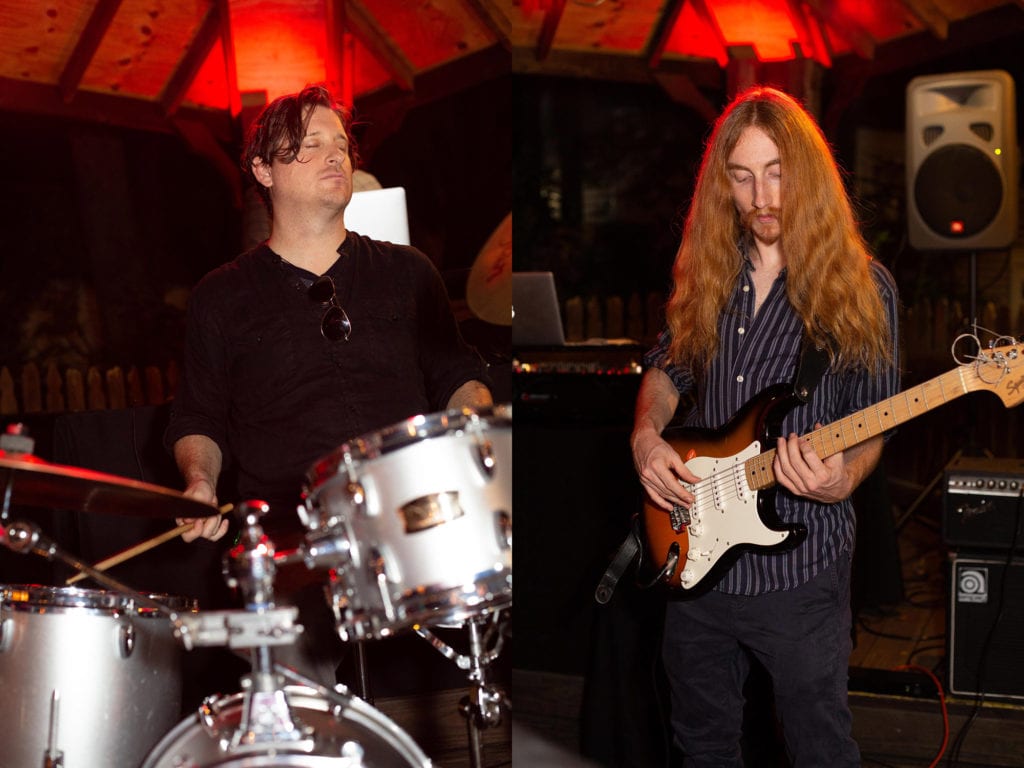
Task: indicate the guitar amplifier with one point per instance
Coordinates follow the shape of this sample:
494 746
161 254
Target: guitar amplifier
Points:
982 504
985 624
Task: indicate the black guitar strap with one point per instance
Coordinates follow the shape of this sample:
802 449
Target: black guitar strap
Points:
813 363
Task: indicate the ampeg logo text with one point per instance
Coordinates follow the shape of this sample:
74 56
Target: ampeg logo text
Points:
972 585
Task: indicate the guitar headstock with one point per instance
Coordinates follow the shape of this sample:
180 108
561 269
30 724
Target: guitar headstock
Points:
999 369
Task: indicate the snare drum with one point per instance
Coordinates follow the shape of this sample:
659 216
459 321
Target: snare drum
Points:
353 736
415 522
86 673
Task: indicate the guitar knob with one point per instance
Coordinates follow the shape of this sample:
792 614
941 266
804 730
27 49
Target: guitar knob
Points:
696 530
686 577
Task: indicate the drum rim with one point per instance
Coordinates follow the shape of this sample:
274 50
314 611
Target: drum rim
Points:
25 597
371 445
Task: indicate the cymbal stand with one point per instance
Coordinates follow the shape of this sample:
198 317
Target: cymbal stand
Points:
482 708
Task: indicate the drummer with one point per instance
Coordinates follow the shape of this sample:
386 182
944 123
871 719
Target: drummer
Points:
317 335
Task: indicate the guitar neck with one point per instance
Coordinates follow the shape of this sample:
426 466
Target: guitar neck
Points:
870 422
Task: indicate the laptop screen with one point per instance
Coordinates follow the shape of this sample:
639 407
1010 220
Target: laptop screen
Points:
536 318
380 214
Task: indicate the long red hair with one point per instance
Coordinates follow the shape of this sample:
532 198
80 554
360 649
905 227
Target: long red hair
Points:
828 279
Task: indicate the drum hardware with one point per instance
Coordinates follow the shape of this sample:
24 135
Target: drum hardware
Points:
53 757
272 723
482 708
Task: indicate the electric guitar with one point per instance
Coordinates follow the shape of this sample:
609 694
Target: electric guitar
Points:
733 509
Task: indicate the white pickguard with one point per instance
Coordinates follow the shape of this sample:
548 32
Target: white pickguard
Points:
724 513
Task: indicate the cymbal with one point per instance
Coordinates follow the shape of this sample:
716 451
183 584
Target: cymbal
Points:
36 483
489 287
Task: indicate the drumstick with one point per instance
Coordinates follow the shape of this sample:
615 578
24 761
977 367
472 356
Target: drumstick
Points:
138 549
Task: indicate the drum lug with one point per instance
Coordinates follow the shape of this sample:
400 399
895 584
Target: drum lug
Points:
485 458
126 637
378 567
6 633
503 527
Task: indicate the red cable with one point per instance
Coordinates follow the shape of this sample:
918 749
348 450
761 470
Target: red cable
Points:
942 703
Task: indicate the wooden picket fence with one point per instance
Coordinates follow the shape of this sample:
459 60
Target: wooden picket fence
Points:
30 390
928 329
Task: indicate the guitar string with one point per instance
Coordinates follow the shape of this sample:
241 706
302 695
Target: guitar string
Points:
734 476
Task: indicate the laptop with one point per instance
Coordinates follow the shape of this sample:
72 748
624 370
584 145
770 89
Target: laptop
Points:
536 317
380 214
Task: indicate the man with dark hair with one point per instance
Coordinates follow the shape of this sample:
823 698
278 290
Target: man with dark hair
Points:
771 255
313 337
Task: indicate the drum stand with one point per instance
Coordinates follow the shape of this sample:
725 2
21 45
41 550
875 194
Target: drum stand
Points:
482 708
267 721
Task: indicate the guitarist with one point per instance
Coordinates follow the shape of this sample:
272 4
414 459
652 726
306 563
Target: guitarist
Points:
770 253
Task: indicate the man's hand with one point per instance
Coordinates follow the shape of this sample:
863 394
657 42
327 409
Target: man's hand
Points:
212 528
661 470
798 468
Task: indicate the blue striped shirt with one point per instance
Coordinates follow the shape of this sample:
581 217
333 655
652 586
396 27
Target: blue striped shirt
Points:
756 352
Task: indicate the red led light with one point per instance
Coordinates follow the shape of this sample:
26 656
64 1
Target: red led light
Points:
956 227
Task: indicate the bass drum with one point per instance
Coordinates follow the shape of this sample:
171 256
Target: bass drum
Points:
351 736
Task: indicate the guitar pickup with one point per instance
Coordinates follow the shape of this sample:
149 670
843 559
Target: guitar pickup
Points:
679 517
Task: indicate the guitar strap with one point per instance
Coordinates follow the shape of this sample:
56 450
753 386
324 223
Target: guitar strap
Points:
813 363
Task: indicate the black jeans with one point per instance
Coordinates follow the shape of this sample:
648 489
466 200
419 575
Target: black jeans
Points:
801 636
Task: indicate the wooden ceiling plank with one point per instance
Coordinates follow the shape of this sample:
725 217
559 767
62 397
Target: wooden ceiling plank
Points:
375 38
843 26
181 79
663 32
88 43
549 28
930 16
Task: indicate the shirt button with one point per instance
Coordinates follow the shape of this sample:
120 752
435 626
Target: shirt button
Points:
741 331
740 378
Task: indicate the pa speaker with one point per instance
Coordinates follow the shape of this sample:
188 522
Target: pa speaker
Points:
986 627
962 161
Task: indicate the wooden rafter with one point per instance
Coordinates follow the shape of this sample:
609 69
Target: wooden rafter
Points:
202 43
809 32
92 107
662 32
844 27
496 21
86 47
376 39
549 28
701 7
930 15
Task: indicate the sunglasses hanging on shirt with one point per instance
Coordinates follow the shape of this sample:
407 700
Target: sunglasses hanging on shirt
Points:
334 325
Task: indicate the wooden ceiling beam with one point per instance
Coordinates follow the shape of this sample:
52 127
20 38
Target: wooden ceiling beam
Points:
705 73
88 43
549 28
496 21
375 38
184 75
916 51
844 27
810 33
930 16
701 7
662 32
89 106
